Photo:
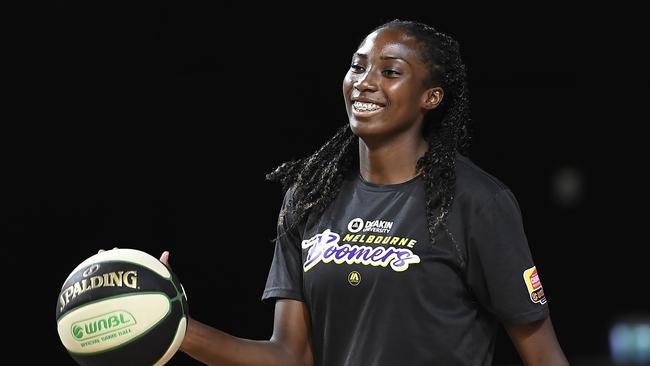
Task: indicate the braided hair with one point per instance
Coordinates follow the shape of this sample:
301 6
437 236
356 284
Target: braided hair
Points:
316 179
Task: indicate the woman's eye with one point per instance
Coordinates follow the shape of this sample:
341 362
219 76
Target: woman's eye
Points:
356 68
391 73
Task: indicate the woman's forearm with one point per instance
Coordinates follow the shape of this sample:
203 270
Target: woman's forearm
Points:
214 347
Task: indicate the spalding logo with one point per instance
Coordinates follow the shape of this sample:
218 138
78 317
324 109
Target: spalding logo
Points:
110 279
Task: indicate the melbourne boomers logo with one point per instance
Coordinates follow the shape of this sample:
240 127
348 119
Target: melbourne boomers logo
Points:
324 248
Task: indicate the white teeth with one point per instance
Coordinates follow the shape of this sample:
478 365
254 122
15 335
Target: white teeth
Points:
365 107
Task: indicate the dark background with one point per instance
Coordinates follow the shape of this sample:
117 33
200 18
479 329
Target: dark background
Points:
153 126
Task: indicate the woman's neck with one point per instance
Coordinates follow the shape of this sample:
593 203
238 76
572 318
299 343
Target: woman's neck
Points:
390 163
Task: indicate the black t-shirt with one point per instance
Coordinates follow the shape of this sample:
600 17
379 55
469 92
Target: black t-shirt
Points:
381 294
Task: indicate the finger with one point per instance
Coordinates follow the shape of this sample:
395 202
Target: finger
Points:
164 257
102 250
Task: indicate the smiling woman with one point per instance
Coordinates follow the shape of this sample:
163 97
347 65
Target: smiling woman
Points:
387 70
447 264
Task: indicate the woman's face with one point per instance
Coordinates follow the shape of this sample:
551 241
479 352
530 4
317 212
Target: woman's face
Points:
385 89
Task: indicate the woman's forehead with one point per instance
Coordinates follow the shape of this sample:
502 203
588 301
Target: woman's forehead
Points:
388 41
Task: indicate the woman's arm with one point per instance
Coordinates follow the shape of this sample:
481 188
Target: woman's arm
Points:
289 345
537 344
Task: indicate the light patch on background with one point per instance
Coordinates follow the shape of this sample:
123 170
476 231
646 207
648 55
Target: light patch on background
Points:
629 342
568 186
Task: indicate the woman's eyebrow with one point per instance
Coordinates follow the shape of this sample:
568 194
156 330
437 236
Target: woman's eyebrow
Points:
388 57
383 57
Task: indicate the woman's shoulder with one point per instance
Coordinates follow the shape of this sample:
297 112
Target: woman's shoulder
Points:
474 182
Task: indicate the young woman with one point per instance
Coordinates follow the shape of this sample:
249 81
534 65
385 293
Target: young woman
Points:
393 248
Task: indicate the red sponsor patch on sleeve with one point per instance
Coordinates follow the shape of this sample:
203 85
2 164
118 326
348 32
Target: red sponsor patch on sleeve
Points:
534 285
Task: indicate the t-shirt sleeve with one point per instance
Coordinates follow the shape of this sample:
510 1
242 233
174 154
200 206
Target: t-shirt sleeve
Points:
284 280
501 272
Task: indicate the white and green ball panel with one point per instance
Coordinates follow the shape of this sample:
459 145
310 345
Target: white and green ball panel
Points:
143 329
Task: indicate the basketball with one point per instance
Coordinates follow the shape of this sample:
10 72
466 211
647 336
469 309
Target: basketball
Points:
121 307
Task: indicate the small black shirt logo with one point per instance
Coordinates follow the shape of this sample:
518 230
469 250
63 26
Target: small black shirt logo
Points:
355 225
354 278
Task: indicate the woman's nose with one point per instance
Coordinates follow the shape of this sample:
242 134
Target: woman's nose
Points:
366 82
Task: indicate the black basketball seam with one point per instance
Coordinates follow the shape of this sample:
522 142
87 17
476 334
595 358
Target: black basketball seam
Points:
179 295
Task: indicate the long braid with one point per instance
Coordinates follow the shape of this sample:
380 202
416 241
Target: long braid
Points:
317 178
448 130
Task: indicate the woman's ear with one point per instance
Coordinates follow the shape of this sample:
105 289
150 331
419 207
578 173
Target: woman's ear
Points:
433 97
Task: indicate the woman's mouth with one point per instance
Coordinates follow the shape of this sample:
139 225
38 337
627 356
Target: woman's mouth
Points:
365 109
